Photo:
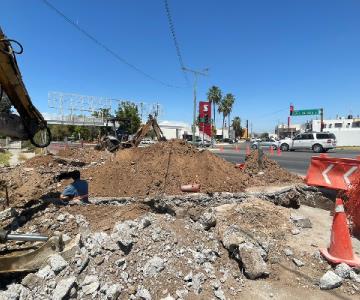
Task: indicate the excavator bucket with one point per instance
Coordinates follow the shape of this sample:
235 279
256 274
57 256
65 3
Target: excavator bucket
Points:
31 260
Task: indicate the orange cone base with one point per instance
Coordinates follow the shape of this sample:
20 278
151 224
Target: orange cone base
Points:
335 260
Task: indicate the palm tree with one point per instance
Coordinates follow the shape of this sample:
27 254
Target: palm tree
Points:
236 125
214 96
225 108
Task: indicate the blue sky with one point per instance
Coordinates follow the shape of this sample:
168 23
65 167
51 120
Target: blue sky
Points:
267 53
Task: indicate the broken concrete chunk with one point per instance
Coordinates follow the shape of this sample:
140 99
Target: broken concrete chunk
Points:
153 266
208 220
124 234
46 272
8 213
90 284
353 276
219 294
252 262
144 222
231 238
31 281
168 297
113 292
343 270
300 221
63 288
298 262
57 263
198 280
330 281
143 294
295 231
288 252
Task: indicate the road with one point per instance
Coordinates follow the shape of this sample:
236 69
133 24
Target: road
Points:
296 162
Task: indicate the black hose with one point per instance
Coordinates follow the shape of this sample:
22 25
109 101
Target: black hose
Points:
12 41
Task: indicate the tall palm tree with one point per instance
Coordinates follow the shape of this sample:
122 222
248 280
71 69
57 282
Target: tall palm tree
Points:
214 96
225 108
236 125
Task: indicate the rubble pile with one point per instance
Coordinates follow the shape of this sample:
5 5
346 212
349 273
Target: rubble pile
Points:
202 253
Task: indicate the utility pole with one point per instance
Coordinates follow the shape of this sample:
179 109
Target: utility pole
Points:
247 129
321 119
196 74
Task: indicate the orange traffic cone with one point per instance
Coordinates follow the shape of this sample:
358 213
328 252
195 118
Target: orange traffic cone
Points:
271 150
340 250
278 151
247 150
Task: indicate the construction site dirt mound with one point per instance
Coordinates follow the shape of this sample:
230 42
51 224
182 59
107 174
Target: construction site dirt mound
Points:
267 172
162 169
86 155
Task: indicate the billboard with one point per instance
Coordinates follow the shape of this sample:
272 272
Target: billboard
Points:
205 117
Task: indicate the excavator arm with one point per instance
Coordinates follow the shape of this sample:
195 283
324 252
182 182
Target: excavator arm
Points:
143 130
31 124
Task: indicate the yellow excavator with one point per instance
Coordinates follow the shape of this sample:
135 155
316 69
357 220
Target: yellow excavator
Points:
119 140
29 124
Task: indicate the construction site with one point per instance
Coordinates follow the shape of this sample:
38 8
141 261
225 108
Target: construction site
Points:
169 220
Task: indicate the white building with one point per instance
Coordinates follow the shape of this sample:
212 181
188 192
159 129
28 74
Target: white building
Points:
174 130
347 131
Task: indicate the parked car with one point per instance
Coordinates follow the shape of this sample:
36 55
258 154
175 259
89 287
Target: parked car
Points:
227 140
199 143
316 141
265 143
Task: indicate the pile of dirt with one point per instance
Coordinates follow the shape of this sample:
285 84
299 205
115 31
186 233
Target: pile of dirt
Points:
87 155
162 169
268 172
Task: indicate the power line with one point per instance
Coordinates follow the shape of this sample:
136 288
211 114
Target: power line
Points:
176 43
106 48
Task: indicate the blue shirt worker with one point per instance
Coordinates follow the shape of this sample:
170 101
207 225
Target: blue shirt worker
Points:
78 190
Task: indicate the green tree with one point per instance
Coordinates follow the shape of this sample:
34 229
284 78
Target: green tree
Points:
129 110
59 132
103 113
236 125
214 96
225 107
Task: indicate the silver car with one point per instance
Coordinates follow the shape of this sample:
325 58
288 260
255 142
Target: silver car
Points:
316 141
266 143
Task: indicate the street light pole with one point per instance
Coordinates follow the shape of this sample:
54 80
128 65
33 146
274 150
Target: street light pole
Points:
196 74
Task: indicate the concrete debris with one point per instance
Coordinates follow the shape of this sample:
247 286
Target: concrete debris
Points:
57 263
355 277
63 288
208 220
125 235
298 262
295 231
197 282
8 214
330 281
301 221
288 252
219 294
90 284
46 273
143 294
153 266
168 297
31 281
252 261
343 270
113 291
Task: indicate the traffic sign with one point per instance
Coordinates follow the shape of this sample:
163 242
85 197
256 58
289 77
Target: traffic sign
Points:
306 112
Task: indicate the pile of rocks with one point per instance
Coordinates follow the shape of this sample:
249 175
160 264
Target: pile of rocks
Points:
211 253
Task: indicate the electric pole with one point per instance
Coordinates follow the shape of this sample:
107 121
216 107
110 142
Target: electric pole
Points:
196 74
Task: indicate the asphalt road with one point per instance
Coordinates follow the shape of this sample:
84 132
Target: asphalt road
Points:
296 162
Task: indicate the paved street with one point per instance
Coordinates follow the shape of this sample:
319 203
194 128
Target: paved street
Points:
296 161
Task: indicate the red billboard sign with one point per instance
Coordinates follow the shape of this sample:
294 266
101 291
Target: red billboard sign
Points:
205 117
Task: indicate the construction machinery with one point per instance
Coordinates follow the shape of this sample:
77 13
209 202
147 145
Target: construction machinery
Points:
29 124
120 139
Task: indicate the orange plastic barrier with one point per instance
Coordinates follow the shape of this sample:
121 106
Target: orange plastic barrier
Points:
331 172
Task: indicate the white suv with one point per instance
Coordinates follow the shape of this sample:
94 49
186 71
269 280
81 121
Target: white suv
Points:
316 141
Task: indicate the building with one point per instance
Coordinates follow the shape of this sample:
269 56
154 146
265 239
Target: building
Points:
282 131
175 130
346 130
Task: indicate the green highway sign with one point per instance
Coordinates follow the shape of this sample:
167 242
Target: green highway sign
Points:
306 112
